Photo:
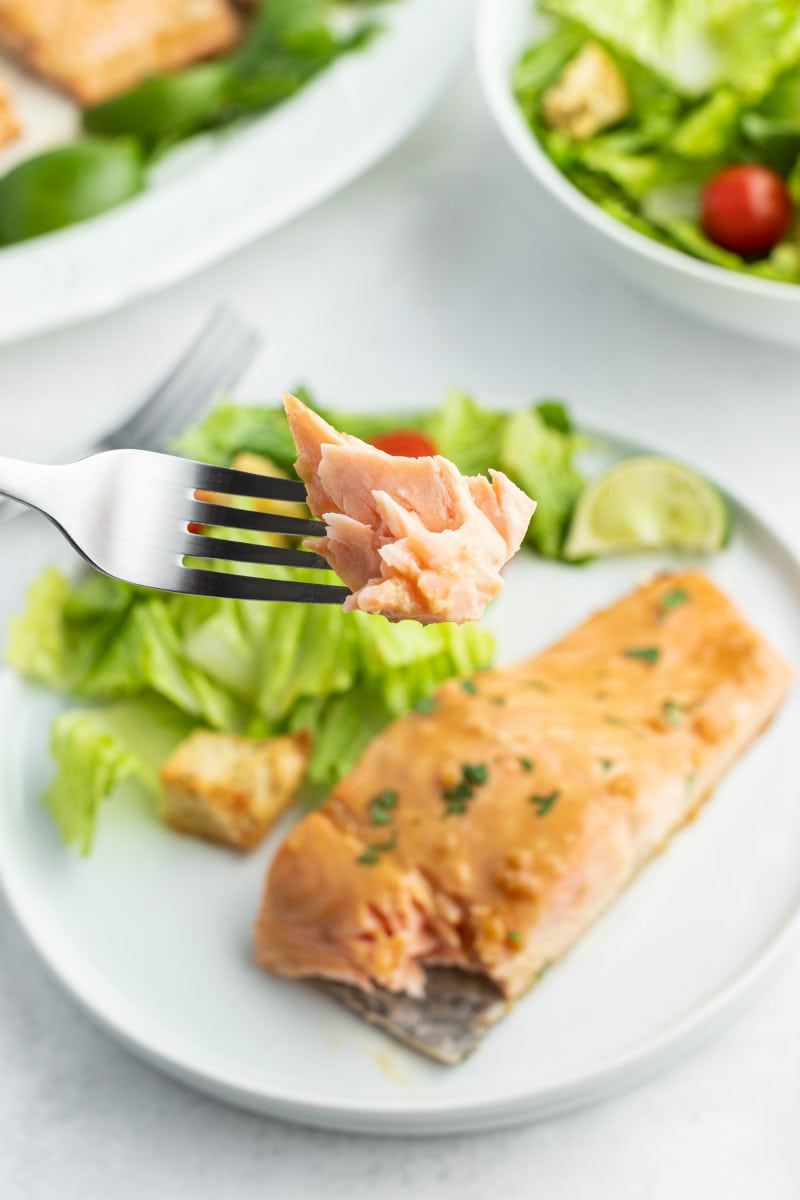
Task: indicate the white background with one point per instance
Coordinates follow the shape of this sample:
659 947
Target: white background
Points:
444 266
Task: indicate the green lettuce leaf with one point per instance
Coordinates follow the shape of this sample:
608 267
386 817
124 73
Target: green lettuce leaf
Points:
96 749
697 44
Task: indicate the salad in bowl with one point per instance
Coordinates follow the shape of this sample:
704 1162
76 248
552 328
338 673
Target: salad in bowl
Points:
671 129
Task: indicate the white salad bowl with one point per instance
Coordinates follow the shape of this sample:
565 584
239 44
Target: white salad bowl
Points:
759 308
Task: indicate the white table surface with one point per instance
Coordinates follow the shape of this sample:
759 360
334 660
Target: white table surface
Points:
443 266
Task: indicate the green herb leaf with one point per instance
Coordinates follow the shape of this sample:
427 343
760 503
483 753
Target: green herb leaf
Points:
543 969
514 937
543 804
673 599
500 701
607 763
469 687
455 807
648 654
672 713
462 791
427 704
475 772
380 808
372 853
526 764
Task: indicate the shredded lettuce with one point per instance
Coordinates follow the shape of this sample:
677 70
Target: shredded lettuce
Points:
97 749
158 666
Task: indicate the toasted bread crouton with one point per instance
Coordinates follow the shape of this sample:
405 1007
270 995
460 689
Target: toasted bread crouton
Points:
589 95
10 127
98 48
231 789
258 464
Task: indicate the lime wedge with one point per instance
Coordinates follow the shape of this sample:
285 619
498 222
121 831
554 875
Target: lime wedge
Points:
647 503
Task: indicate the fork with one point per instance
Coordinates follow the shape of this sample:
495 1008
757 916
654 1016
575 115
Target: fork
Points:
142 517
215 360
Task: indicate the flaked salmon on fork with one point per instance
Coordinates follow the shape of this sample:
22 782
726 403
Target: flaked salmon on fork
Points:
411 537
473 845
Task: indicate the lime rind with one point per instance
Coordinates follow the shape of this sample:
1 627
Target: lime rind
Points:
647 503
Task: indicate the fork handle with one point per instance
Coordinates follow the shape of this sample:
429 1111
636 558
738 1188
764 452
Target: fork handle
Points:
28 483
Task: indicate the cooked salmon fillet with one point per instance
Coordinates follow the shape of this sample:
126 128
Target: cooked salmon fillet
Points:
98 48
411 537
10 128
488 834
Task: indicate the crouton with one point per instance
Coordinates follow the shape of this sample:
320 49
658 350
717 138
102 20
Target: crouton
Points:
589 95
98 48
10 127
231 789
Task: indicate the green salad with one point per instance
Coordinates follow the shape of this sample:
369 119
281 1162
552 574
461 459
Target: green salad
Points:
144 669
286 44
680 118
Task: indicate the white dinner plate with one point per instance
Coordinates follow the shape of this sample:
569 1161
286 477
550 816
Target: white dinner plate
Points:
217 193
151 933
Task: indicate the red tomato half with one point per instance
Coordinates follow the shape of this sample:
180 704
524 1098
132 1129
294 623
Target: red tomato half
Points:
405 443
746 209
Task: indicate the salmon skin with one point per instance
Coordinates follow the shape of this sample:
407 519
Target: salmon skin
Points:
485 836
413 538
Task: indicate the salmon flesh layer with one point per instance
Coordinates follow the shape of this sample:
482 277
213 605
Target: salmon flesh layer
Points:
472 845
411 537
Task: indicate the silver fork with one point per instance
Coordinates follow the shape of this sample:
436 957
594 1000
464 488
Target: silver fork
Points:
215 360
136 515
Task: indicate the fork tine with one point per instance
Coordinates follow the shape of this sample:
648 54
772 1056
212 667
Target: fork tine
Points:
199 546
201 513
245 587
214 360
246 483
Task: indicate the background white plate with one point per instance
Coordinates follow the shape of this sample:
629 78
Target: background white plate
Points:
216 194
152 932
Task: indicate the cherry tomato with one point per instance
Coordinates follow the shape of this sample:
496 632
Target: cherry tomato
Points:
405 443
746 209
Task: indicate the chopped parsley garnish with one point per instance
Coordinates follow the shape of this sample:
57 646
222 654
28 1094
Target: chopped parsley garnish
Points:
454 808
426 704
543 804
526 764
543 969
673 599
373 853
468 686
672 713
607 763
380 808
514 937
462 791
472 776
475 772
500 701
648 654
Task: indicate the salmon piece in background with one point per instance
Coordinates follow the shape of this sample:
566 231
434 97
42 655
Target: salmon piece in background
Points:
10 128
411 537
95 49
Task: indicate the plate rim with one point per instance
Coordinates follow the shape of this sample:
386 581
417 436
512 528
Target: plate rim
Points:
421 1115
